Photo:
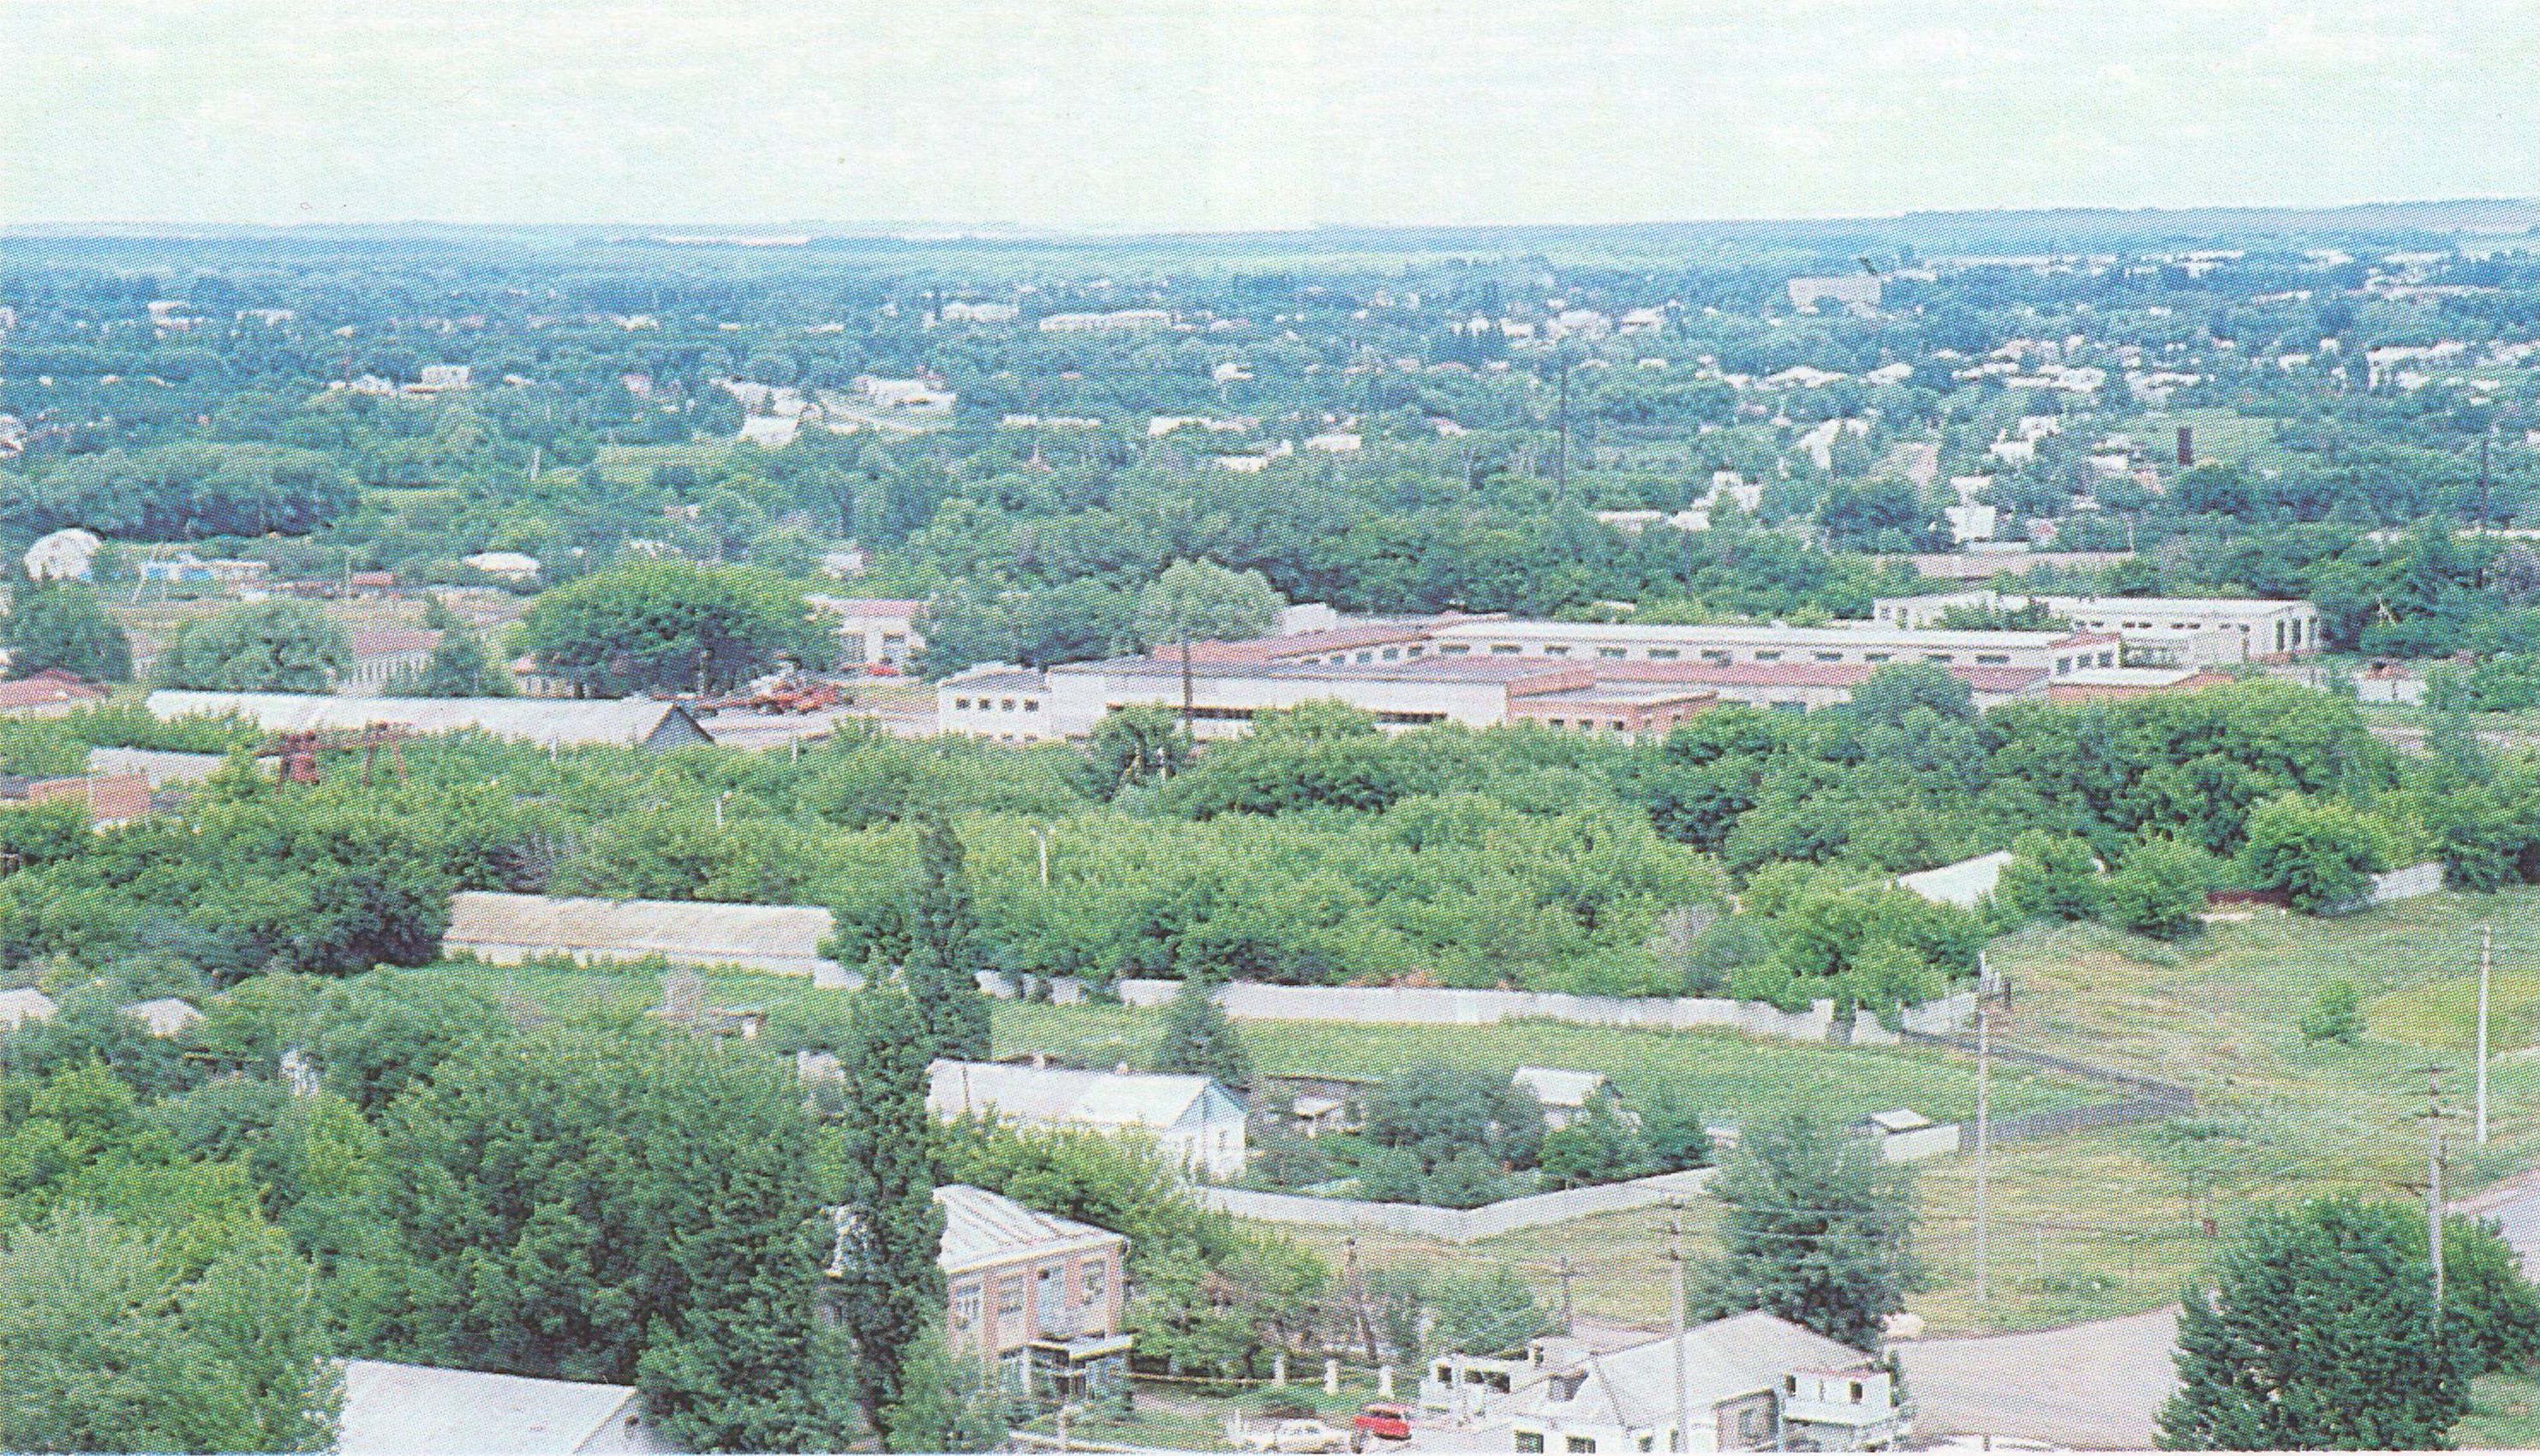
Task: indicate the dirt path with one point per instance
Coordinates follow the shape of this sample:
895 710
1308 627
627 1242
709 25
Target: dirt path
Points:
2095 1387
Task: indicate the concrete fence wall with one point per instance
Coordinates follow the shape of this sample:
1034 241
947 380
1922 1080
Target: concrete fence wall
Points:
1915 1145
1417 1006
1457 1225
2408 883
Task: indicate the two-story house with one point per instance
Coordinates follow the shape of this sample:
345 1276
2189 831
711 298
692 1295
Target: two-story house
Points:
1038 1295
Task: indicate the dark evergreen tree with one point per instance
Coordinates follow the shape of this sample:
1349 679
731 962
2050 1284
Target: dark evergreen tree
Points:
2320 1334
940 973
1199 1038
1818 1230
890 1286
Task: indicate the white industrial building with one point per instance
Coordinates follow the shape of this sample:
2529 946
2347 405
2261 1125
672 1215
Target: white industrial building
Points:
2210 630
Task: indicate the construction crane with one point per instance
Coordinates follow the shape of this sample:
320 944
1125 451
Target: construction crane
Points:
296 752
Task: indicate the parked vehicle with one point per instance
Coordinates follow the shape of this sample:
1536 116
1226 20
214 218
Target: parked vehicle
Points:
1308 1436
1381 1421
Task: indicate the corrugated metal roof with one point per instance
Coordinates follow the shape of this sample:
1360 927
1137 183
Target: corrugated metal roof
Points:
982 1226
544 721
1555 1086
399 1410
674 929
1058 1094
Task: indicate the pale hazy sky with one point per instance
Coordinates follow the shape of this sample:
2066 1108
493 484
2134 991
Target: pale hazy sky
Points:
1248 113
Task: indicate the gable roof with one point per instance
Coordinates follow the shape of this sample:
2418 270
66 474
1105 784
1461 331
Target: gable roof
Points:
1058 1094
980 1226
676 930
1742 1354
399 1410
48 687
1555 1086
629 721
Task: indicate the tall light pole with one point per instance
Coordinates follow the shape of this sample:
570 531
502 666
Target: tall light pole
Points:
2486 956
1675 1328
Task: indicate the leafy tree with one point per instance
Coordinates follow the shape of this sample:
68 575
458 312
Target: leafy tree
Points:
61 626
1140 743
2485 1296
121 1337
2158 889
1435 1111
1197 600
1484 1313
616 1205
2051 876
948 1402
458 666
891 1286
1817 1229
281 644
669 626
2321 854
1597 1146
2337 1016
1200 1038
2318 1333
1674 1132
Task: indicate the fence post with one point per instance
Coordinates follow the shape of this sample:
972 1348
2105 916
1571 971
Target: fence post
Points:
1331 1376
1278 1369
1385 1382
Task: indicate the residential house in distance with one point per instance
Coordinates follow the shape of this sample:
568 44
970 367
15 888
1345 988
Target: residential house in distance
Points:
399 1410
995 699
49 693
1197 1124
380 652
1753 1382
1563 1095
876 630
1038 1295
167 1016
24 1004
1848 290
109 799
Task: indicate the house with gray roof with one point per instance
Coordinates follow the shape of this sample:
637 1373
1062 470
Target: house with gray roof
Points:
552 723
1195 1122
399 1410
1038 1295
1752 1382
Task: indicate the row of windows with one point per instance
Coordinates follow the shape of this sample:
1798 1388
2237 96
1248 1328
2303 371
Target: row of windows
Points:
997 705
2106 659
1015 1291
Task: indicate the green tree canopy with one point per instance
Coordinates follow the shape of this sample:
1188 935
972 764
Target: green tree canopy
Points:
1200 600
2318 1333
281 644
670 626
1817 1229
62 626
1199 1038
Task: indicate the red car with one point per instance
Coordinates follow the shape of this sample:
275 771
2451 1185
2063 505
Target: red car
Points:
1384 1421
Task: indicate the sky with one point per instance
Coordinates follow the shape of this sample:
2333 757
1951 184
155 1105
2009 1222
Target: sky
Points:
1144 115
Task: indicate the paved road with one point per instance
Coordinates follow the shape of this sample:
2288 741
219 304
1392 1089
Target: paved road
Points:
2099 1386
2093 1387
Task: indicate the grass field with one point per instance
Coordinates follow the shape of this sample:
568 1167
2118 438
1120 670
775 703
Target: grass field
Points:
2504 1416
2080 1226
2220 435
632 462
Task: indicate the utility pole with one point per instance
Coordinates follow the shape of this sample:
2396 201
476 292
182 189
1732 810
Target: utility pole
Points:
1561 444
1983 1131
1189 735
1676 1326
2486 956
2435 1186
1041 847
1565 1272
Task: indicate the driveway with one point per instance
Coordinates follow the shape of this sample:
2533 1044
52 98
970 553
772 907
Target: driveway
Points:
2095 1387
2099 1386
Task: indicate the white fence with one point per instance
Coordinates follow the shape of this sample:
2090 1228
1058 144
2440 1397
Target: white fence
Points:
1458 1225
1420 1006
